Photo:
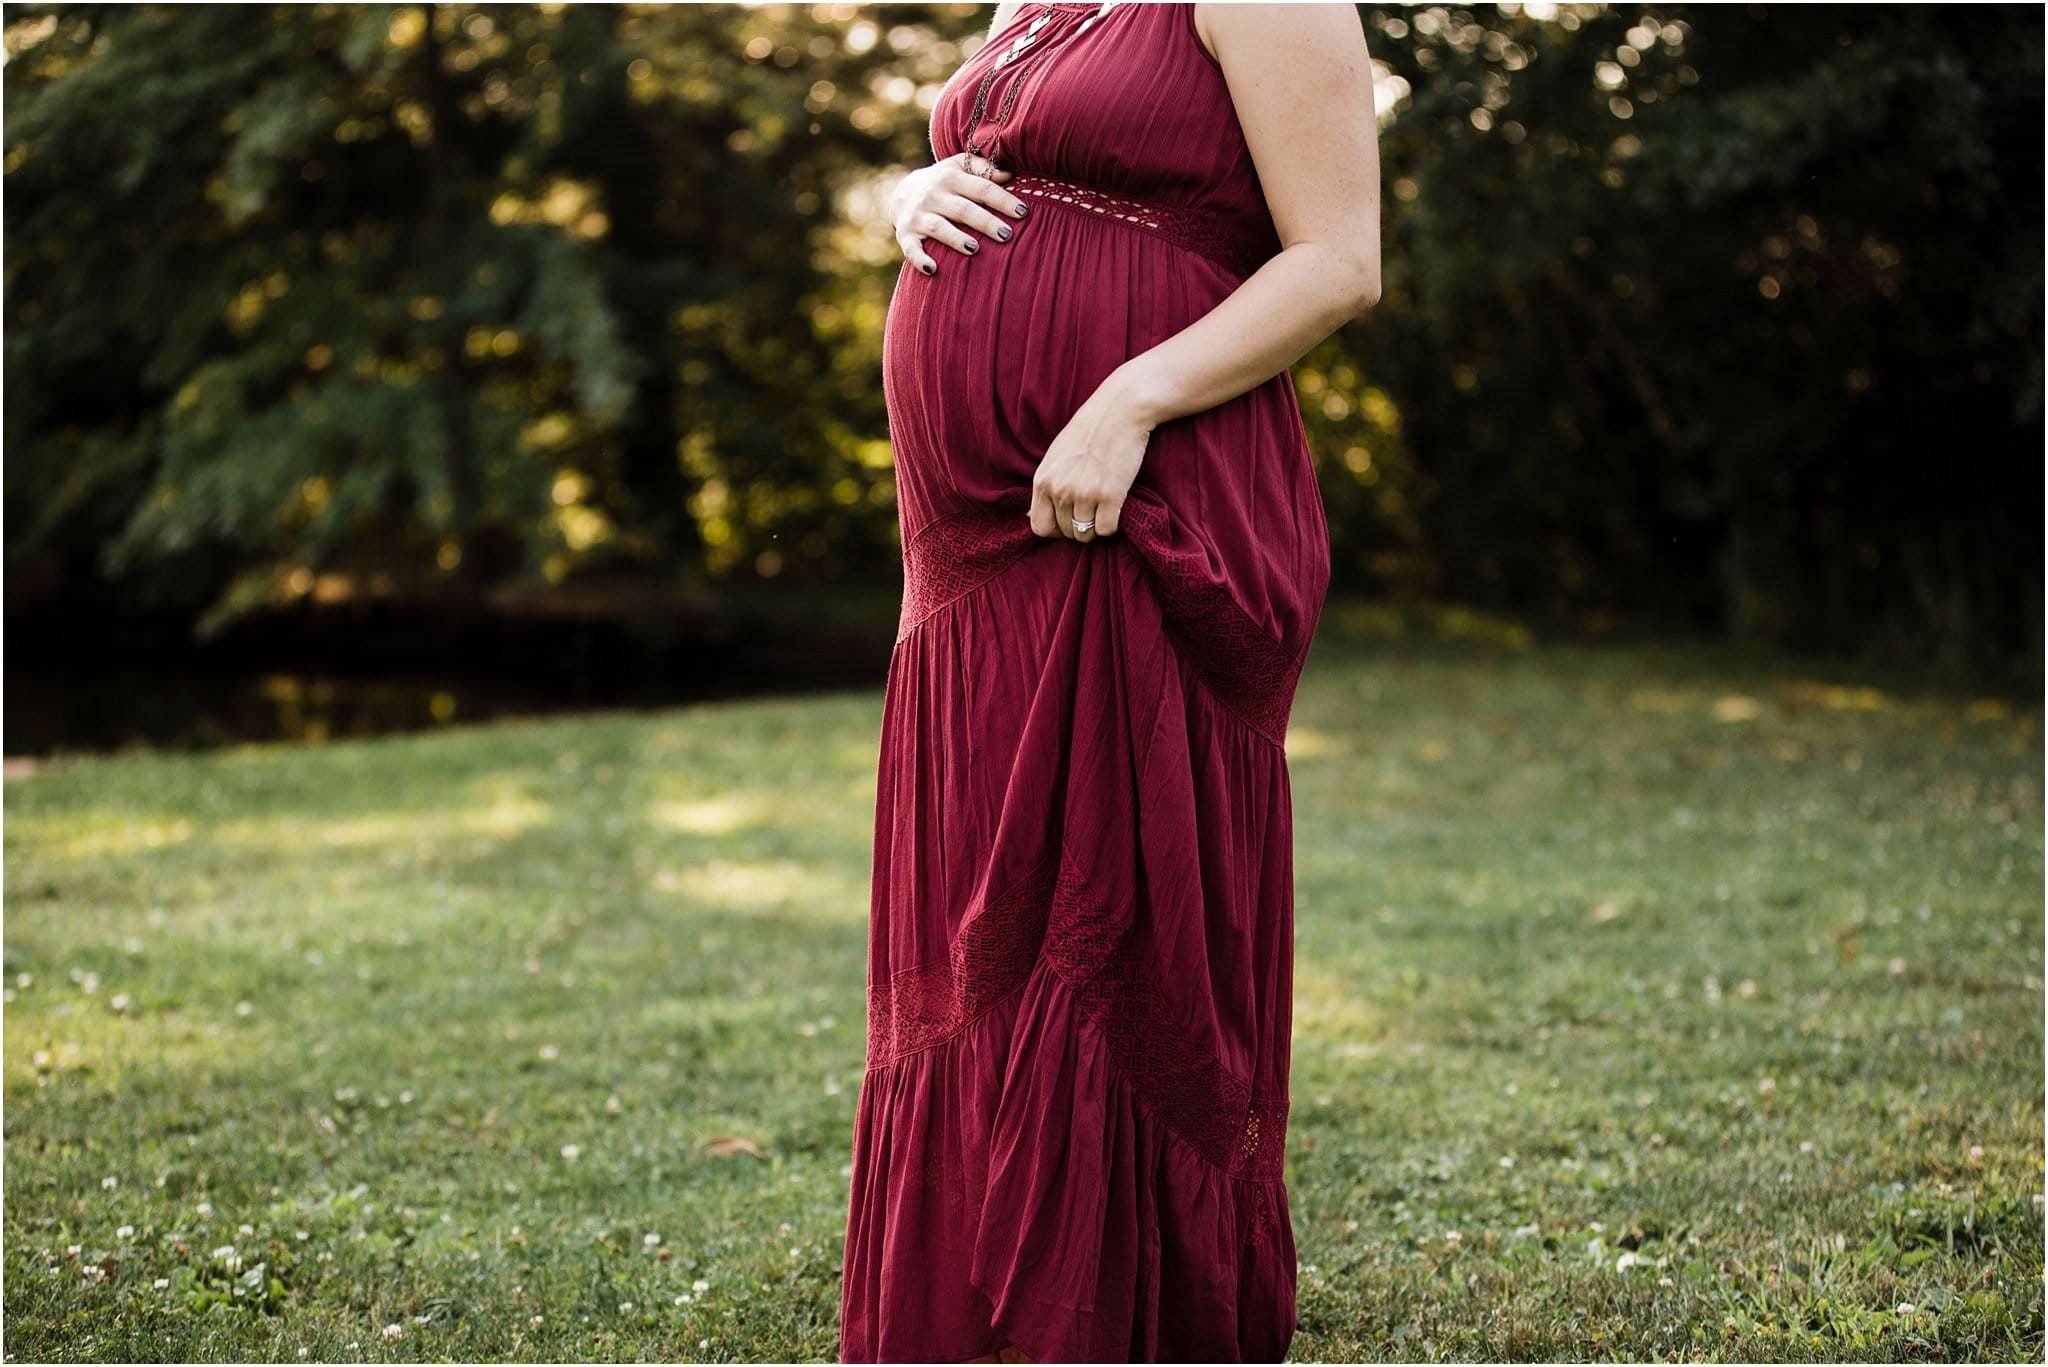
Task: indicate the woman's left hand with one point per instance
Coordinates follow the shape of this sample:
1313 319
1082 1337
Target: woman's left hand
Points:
1090 466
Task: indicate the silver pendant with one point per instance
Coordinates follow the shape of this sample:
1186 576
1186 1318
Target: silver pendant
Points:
1093 17
1024 40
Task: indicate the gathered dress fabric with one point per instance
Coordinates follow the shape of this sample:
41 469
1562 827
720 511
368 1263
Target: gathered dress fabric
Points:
1070 1134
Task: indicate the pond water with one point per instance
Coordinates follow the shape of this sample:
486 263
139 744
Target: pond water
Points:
56 712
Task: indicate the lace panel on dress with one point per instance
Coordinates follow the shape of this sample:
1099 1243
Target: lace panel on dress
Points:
1051 913
1186 1085
1248 668
950 557
1190 229
992 955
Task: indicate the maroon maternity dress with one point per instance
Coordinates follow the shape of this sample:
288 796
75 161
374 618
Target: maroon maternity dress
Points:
1069 1137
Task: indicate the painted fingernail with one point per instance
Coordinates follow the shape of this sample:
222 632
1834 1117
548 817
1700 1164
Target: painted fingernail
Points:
926 269
972 245
1022 208
1003 232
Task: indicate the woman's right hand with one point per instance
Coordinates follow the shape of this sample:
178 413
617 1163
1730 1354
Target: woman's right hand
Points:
943 200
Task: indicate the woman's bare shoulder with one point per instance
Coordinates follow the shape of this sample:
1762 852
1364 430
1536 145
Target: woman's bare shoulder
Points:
1274 26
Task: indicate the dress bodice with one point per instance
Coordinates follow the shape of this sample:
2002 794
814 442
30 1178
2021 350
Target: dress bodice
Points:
1126 109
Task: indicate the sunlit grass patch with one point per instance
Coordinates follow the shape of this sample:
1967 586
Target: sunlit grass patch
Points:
1625 1026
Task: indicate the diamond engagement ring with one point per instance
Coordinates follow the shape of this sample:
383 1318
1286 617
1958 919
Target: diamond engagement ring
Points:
1088 526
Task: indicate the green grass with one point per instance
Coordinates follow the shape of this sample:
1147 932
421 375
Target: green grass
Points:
1651 1004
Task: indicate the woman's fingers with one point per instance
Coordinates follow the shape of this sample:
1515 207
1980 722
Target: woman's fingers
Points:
1043 520
914 252
1100 514
965 211
1079 511
939 228
988 192
1056 514
955 200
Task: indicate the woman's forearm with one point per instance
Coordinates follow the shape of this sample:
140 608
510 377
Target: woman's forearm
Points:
1294 301
1302 83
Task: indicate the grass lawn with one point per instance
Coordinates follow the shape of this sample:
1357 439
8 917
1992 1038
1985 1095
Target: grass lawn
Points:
1650 1004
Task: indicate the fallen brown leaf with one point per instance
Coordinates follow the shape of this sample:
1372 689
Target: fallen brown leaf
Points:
726 1145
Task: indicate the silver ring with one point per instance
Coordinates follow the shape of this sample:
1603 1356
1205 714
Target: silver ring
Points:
1088 526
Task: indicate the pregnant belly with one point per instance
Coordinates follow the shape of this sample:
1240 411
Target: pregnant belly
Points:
986 360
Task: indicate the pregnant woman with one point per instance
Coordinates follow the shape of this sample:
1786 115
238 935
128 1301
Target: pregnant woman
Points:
1068 1144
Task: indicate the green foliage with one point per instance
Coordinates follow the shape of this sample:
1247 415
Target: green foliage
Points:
1729 316
396 289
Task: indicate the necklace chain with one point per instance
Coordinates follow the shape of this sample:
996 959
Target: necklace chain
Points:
1017 45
